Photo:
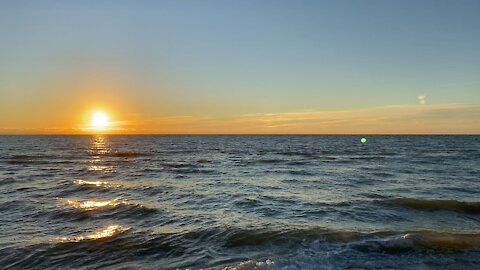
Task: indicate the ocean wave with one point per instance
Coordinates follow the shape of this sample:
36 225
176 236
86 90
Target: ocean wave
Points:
179 165
75 209
118 241
111 244
29 157
14 205
125 154
186 168
73 188
436 204
70 251
444 240
299 172
89 205
8 180
38 162
95 183
251 265
270 161
38 159
119 153
105 184
235 237
247 202
388 240
298 153
367 157
103 233
26 161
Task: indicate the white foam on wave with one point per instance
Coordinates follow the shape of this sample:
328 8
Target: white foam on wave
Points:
251 265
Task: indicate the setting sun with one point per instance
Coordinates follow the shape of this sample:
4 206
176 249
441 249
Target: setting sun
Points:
99 120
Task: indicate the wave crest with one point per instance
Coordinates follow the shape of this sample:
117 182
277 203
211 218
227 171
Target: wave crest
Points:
444 240
103 233
433 204
251 265
124 154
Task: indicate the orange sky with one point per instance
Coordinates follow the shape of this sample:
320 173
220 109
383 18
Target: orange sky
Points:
395 119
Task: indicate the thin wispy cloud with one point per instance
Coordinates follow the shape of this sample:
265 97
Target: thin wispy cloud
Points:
422 99
386 119
436 118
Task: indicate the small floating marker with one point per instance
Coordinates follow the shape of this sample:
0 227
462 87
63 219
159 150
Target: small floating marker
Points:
363 140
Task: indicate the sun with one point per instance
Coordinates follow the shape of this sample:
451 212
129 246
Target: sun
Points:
99 120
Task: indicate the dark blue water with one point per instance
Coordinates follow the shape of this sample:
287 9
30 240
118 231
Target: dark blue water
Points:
244 202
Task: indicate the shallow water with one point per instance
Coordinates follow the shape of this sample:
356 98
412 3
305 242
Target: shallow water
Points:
284 202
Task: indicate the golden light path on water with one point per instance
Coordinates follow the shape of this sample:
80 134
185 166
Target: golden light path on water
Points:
98 145
98 148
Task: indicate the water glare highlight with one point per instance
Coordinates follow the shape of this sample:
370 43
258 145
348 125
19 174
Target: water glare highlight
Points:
107 232
95 183
94 204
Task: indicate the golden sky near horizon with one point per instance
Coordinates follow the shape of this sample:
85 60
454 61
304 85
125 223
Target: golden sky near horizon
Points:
395 119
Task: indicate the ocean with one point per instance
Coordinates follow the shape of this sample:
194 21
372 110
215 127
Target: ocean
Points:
239 202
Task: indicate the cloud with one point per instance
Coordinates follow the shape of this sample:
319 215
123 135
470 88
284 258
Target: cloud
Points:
443 118
394 119
422 99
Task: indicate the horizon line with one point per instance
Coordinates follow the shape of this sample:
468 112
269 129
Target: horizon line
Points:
241 134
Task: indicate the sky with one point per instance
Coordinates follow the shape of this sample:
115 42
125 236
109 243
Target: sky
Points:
243 67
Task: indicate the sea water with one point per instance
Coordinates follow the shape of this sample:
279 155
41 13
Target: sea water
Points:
239 202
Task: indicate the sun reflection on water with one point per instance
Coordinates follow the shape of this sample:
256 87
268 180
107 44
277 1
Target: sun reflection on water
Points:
94 204
98 148
106 232
98 183
92 183
99 145
100 168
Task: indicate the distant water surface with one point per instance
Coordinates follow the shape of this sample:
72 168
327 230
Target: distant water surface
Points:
244 202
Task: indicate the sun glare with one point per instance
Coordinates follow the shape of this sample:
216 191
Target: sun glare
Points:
99 120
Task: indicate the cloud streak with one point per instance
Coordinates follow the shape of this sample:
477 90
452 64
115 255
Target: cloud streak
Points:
394 119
